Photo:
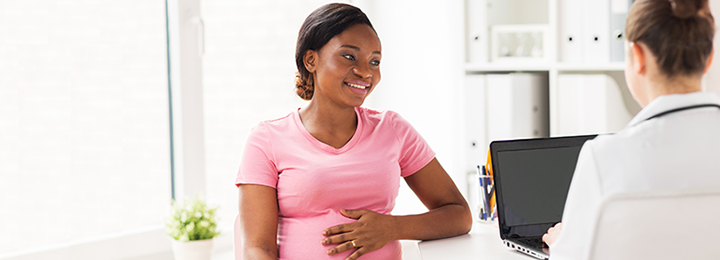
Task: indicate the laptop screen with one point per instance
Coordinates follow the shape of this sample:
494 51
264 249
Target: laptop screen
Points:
526 177
532 178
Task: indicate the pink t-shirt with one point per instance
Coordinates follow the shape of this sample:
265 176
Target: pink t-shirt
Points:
314 180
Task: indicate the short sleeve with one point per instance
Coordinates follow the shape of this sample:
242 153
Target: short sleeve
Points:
256 164
415 152
583 200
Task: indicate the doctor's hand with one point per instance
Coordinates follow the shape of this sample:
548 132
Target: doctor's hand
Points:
552 234
370 232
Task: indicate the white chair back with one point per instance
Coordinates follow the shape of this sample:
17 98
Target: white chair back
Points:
682 224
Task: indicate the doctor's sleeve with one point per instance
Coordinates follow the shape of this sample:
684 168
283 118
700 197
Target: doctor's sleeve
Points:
583 200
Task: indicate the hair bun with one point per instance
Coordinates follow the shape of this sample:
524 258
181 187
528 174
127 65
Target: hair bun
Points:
304 88
684 9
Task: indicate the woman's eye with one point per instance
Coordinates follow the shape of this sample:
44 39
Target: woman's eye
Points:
349 57
375 63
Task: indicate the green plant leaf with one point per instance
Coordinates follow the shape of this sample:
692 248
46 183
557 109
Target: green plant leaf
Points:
191 220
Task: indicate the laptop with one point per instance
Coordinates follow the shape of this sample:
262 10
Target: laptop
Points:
531 179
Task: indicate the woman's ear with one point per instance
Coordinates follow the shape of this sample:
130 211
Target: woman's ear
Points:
709 61
309 59
637 51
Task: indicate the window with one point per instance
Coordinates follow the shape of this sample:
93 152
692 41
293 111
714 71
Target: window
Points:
84 129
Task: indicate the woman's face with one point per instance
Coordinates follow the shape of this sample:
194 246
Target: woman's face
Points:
347 68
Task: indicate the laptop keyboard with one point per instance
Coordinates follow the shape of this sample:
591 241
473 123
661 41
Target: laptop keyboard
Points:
535 242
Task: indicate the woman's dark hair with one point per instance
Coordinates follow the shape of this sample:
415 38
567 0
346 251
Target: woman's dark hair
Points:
678 32
319 27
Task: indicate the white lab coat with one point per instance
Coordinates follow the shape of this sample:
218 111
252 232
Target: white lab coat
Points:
676 150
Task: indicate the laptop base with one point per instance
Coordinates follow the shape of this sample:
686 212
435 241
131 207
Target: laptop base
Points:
539 253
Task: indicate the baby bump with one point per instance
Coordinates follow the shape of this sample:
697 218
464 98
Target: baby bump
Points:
300 238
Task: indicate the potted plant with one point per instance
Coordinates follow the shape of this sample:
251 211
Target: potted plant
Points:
192 226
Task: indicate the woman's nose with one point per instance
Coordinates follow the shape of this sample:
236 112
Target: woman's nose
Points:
362 71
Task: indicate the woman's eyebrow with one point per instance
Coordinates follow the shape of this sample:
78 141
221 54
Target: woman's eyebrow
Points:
351 47
357 48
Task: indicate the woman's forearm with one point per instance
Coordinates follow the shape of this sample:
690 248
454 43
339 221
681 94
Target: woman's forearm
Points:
449 213
445 221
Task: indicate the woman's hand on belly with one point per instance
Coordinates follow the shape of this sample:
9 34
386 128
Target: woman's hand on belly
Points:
370 232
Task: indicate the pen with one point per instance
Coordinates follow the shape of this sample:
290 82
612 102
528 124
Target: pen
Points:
489 190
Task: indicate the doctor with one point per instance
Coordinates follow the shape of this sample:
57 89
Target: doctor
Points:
673 142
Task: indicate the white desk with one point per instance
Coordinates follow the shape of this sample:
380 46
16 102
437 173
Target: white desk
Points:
483 242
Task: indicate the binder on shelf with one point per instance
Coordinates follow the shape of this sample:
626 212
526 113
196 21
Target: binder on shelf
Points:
596 24
568 101
517 106
570 30
590 104
477 31
618 14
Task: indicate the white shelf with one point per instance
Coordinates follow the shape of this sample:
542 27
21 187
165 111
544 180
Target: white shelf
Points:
482 15
575 67
490 67
506 67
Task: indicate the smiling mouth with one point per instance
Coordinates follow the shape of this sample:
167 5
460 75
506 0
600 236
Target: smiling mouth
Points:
357 86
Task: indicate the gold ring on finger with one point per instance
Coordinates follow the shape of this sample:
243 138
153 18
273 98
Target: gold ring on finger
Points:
353 243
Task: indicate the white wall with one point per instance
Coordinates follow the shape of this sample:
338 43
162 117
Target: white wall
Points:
422 76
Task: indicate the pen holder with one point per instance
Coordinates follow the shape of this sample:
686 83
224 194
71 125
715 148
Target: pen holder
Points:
485 208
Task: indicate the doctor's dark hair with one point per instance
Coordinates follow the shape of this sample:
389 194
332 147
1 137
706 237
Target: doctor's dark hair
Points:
319 27
678 32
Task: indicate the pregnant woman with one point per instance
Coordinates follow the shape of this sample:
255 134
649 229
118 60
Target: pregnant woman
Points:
320 183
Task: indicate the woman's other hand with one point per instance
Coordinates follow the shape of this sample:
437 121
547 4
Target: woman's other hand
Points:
369 233
448 215
552 234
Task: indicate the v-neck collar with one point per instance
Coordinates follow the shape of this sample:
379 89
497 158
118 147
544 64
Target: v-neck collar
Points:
325 147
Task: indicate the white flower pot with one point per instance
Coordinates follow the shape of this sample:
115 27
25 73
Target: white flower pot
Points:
192 250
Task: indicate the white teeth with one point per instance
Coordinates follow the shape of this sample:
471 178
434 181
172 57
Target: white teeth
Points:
356 86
